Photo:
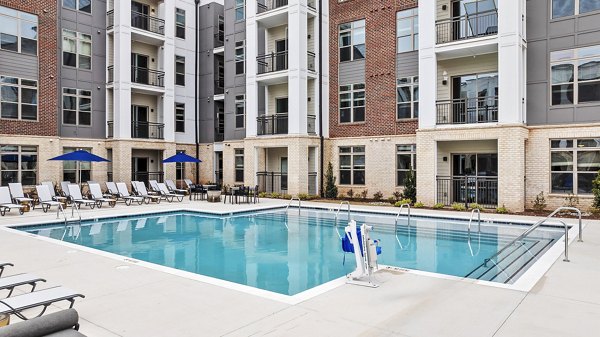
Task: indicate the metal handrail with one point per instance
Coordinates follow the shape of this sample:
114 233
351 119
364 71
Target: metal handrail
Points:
476 210
299 204
338 212
396 223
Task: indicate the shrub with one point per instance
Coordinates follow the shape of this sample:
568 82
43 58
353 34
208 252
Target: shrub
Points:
476 206
397 195
458 206
331 190
502 210
439 205
275 195
364 193
403 202
263 195
303 196
418 204
410 186
350 194
391 200
286 196
539 203
377 196
596 191
571 200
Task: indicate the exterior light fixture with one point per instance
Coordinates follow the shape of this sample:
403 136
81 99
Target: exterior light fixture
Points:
445 78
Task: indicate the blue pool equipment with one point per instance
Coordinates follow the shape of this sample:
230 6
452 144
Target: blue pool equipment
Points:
358 241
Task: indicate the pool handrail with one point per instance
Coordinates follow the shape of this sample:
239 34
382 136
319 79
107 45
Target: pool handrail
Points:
396 224
345 202
299 204
476 210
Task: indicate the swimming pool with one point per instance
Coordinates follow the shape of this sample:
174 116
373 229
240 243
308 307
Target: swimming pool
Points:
288 252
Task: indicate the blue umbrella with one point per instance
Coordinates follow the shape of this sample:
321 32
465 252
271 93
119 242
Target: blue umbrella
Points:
79 155
182 158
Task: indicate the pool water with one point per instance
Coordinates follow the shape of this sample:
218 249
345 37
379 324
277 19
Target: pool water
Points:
287 253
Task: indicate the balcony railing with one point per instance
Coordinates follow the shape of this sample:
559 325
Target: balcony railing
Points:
272 125
263 6
110 19
148 76
219 86
110 125
467 190
312 4
147 130
311 124
146 176
272 62
147 23
312 183
110 74
272 182
219 137
467 110
219 38
467 27
311 61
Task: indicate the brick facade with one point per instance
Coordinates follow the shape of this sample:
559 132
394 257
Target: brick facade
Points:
380 67
46 10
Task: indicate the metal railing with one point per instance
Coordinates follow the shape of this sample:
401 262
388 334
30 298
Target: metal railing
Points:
466 27
269 63
312 4
272 182
146 176
263 6
272 124
110 74
110 19
407 222
299 204
467 110
147 76
219 86
219 137
476 210
337 212
147 23
467 190
147 130
312 183
110 125
311 124
219 38
311 61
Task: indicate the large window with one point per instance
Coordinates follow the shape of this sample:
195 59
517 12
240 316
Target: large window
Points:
179 117
407 97
240 111
406 159
77 107
562 8
352 103
18 98
239 165
575 75
18 164
240 57
18 31
352 40
179 23
240 10
574 163
76 171
407 30
179 70
77 49
352 165
81 5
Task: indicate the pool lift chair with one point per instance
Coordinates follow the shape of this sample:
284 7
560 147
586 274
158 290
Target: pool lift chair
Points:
357 240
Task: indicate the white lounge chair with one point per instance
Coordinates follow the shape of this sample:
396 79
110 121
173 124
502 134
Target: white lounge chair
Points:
111 187
64 188
128 198
6 203
141 191
171 186
77 199
4 265
41 298
97 195
19 197
154 186
11 282
45 198
164 191
52 190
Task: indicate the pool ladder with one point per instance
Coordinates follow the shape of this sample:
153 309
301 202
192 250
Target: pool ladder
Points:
337 214
288 206
67 221
408 224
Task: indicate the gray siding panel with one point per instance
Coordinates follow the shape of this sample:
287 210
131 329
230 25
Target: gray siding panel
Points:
352 72
234 84
407 64
18 65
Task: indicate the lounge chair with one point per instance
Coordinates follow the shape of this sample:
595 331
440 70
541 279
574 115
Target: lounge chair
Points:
64 188
112 189
171 186
52 190
97 196
6 203
45 198
40 298
128 198
154 186
165 193
19 197
141 191
4 265
11 282
195 190
77 199
62 323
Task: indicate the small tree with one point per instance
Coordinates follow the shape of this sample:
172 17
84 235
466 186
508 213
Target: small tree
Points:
410 186
331 190
596 191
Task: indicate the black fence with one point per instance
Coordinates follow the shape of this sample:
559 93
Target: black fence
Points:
148 23
272 125
268 5
110 19
467 190
147 130
311 61
145 177
272 182
219 86
272 62
148 76
311 124
312 183
467 27
467 110
110 126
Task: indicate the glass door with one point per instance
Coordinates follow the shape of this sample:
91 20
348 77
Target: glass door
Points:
284 174
139 71
139 121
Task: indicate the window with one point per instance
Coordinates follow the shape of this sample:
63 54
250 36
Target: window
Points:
562 8
240 10
574 163
407 97
240 111
406 159
352 103
407 30
352 41
352 165
77 49
179 23
76 171
18 98
179 70
179 117
18 164
239 165
77 107
575 75
81 5
18 31
240 57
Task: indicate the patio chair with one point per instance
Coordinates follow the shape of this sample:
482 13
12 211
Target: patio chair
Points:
171 186
45 198
62 323
64 189
96 193
154 186
141 191
15 305
55 196
195 190
4 265
128 198
6 203
77 199
112 189
164 191
19 197
11 282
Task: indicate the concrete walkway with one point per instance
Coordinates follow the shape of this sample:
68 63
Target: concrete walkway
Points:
125 299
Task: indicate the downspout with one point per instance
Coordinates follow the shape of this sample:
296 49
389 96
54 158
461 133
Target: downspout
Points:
197 113
322 139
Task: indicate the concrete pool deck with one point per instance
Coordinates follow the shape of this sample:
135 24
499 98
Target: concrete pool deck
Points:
138 301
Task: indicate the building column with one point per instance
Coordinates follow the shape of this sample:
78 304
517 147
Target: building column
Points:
427 65
251 53
426 168
122 70
166 103
511 168
121 161
297 68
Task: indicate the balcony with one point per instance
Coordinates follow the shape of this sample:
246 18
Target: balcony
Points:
219 86
145 177
467 190
467 110
272 13
147 23
110 19
219 38
272 62
311 61
467 27
311 124
272 125
110 126
263 6
147 130
272 182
